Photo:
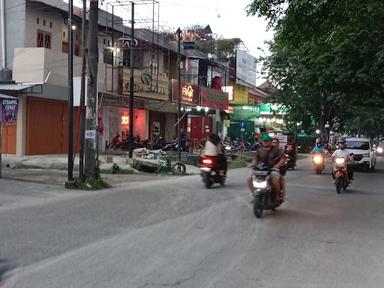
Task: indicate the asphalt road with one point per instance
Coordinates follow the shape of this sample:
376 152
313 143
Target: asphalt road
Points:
175 233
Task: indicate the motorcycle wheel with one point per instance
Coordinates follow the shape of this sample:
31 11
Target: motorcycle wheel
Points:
207 182
178 168
258 206
339 184
318 171
345 184
222 181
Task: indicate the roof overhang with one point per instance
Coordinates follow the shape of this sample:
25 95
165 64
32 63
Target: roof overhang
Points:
13 89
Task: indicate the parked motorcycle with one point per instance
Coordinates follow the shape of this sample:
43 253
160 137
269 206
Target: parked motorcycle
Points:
341 175
318 161
210 171
264 197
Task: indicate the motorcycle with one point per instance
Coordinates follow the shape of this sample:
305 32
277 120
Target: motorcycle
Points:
209 171
318 161
289 161
264 197
341 177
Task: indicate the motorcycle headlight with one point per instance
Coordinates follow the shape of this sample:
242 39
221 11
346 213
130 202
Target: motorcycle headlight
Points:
318 159
259 184
340 161
380 150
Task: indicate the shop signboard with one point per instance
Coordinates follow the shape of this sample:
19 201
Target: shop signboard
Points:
245 67
147 85
9 108
214 99
189 93
120 101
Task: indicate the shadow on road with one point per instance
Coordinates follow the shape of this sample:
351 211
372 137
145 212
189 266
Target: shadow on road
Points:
7 273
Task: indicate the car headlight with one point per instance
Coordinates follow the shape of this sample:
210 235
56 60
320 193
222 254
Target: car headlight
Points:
380 150
366 155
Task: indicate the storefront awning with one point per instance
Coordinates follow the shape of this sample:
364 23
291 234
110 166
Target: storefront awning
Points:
2 96
19 88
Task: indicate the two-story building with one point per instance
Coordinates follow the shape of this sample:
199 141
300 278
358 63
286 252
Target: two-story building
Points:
37 57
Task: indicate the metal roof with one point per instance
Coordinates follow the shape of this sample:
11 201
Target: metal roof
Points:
15 87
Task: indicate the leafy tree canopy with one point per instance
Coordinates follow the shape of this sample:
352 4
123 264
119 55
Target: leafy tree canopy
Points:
329 54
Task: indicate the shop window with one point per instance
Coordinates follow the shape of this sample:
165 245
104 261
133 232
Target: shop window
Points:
44 22
43 39
50 24
38 21
76 48
108 56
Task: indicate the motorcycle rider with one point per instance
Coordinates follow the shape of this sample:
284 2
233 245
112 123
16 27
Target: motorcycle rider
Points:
290 149
342 152
213 148
283 170
272 157
318 149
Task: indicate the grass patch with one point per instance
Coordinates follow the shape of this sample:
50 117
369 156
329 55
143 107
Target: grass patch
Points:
301 156
238 163
92 183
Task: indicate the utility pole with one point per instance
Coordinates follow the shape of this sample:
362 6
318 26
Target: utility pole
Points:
131 81
91 124
179 93
82 95
70 92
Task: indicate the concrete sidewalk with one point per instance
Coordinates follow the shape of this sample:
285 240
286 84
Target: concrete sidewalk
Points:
52 169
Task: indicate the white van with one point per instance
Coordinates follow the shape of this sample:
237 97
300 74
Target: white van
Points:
363 152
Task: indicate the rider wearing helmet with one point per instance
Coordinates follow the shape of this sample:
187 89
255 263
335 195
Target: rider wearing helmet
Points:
342 152
271 156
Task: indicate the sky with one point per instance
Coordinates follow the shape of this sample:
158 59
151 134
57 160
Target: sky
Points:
227 18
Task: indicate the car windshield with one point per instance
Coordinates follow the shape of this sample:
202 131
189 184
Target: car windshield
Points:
361 145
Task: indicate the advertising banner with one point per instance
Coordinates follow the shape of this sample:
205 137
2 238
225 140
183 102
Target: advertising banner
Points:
9 109
245 67
214 99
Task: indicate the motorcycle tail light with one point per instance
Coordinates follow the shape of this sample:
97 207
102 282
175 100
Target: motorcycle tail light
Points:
207 161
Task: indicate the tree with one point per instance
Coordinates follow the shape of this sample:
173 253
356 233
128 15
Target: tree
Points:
327 58
224 49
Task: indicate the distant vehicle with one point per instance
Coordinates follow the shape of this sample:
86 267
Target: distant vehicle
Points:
380 149
363 152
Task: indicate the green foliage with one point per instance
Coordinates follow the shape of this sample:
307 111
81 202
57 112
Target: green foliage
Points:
224 49
116 169
91 183
165 167
329 48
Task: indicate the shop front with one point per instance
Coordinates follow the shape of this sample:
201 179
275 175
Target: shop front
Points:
115 117
153 91
190 102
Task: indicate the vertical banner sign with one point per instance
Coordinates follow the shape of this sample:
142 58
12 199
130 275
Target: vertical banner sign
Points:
9 111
